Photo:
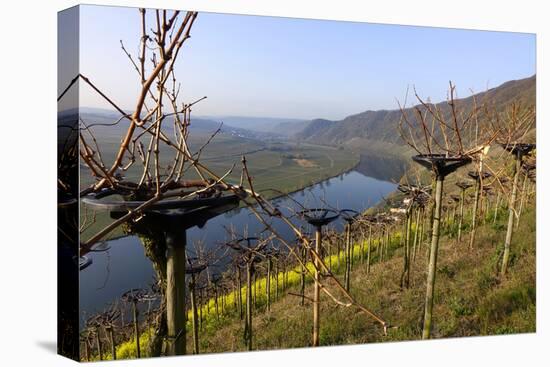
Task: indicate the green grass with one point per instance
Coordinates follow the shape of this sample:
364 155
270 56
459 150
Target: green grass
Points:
470 299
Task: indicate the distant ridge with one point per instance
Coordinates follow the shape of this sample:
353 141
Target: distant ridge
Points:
377 129
262 124
254 127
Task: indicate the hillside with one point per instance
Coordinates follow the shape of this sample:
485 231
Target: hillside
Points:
374 130
471 299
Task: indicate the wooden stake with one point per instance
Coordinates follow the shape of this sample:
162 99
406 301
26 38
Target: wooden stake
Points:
369 250
175 292
277 279
416 230
523 194
497 205
461 214
201 304
406 252
98 341
430 284
192 285
511 214
136 327
303 277
248 325
109 330
268 285
347 257
240 295
474 213
316 289
87 349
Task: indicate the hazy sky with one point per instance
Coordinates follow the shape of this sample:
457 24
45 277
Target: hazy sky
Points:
282 67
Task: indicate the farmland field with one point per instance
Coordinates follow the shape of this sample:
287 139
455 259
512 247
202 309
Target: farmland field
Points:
272 165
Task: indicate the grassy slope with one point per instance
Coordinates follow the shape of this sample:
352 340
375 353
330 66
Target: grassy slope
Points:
469 300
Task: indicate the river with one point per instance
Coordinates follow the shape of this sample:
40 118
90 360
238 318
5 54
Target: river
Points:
124 266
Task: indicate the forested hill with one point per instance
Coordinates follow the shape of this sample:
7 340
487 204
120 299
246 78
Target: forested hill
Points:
375 129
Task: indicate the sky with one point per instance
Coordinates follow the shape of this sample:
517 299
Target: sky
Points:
300 68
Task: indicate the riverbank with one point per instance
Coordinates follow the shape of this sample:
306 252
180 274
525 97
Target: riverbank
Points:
267 175
125 265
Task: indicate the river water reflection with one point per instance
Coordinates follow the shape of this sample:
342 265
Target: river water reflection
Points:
125 266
